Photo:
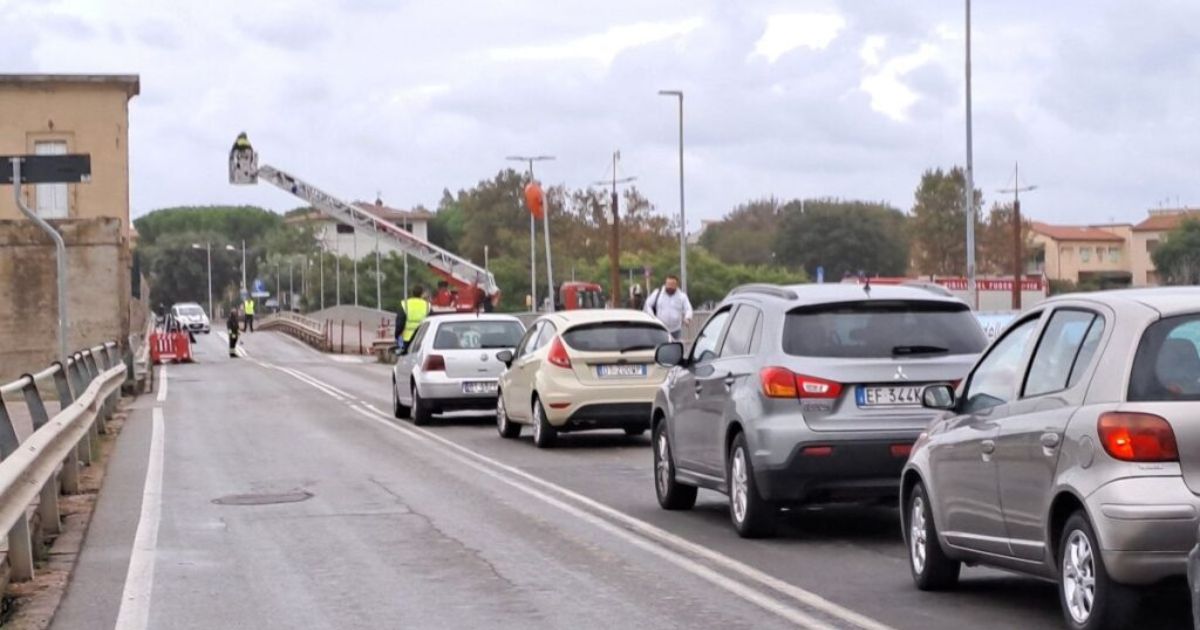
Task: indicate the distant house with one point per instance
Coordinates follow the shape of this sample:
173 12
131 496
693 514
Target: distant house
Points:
1083 253
353 245
1148 234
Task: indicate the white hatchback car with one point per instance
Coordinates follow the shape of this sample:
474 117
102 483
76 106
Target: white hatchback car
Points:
581 370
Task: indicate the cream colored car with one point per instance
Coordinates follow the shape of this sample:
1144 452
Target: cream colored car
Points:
581 370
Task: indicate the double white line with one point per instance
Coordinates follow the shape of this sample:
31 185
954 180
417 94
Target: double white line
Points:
756 586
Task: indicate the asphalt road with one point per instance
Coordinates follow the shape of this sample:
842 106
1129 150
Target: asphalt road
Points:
391 526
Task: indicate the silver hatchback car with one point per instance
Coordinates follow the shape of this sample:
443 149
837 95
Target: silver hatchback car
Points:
1071 452
451 365
804 394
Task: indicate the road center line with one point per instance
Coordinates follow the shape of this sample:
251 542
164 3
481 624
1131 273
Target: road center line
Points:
664 537
134 613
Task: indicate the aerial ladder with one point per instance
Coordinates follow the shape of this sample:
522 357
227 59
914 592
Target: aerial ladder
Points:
465 277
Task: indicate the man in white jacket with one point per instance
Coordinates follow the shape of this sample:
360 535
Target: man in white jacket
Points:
671 306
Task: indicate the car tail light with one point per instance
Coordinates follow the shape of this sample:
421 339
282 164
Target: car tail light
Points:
434 363
780 382
901 450
817 451
1137 437
558 354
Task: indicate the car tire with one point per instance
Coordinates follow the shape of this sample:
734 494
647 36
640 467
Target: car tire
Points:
544 435
398 408
672 495
634 432
504 426
1090 599
421 412
932 569
752 516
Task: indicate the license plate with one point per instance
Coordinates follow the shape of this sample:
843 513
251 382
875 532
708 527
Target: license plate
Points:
889 396
479 387
621 371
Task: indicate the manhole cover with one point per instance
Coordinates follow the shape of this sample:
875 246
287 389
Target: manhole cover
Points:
294 496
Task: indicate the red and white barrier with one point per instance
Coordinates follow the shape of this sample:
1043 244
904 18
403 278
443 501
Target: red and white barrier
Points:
170 346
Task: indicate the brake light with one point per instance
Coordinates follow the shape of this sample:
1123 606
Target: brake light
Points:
817 451
901 450
1137 437
780 382
558 354
434 363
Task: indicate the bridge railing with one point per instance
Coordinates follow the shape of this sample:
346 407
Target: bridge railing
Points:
310 331
36 470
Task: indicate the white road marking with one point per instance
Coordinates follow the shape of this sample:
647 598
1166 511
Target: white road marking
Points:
663 537
134 613
342 358
162 384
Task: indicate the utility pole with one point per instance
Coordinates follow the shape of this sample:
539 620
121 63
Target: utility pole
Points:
530 159
682 216
614 242
378 273
969 192
1018 241
321 257
355 267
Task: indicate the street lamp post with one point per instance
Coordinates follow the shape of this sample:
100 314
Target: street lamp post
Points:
208 254
530 159
969 193
683 284
244 285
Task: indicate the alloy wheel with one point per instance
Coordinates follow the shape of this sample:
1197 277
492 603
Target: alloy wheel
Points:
916 535
738 484
663 465
1079 577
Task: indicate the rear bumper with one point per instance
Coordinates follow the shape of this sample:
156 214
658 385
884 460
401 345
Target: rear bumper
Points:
1146 526
852 470
563 396
447 394
609 416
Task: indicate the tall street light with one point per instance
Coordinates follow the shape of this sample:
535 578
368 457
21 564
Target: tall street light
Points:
682 216
969 193
530 159
208 252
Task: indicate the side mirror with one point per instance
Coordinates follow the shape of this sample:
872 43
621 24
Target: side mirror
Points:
940 396
669 354
505 357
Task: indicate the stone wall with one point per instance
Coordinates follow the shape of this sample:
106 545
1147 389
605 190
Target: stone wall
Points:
98 301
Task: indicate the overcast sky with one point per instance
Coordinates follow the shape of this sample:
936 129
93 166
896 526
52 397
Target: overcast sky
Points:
1098 100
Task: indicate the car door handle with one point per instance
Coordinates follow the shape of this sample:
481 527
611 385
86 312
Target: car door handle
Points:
988 447
730 379
1050 440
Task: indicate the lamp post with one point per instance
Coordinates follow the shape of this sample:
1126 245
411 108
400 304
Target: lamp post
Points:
208 254
682 216
530 159
969 193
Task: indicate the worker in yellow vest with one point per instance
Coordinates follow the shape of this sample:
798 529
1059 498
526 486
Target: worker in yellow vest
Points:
248 311
413 311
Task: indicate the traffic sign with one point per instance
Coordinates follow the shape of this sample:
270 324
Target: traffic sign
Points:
48 169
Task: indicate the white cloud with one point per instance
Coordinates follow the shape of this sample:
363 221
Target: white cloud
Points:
890 96
787 32
601 47
871 48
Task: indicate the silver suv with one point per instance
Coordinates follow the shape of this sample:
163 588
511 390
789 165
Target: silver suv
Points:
1071 452
804 394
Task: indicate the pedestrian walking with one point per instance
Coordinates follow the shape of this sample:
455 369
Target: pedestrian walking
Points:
412 312
248 312
670 306
231 325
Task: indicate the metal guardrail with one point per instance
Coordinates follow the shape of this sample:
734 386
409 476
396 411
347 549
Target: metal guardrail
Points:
87 388
308 330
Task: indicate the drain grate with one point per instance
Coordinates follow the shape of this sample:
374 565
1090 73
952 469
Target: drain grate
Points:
267 498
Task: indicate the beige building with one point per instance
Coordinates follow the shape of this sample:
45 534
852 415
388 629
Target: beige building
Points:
347 243
1082 254
56 114
1148 234
61 114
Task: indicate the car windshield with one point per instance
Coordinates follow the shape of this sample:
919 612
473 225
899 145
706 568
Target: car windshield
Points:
189 311
488 335
616 336
880 329
1167 364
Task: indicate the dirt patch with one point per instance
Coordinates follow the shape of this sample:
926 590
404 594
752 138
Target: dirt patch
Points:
31 605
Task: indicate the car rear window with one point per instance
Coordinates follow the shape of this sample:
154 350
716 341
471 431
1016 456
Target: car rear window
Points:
1167 364
477 335
616 337
190 311
879 328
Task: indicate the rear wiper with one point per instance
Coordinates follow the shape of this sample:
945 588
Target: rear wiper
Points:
636 348
902 350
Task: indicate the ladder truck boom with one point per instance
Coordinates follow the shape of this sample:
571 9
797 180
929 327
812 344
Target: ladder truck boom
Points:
245 170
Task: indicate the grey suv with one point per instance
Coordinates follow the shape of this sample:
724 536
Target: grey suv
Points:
804 394
1071 452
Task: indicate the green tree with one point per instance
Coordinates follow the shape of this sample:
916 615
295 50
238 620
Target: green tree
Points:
996 241
1177 258
734 238
844 237
938 222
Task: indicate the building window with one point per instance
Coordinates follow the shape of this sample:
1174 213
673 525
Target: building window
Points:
1114 254
1151 245
1085 254
51 199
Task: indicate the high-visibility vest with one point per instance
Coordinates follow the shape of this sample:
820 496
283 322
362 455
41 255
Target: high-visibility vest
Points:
415 312
249 307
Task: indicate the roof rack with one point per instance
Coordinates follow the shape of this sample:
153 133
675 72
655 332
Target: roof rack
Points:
772 290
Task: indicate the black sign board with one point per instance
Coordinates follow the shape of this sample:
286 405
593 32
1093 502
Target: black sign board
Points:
48 169
342 228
